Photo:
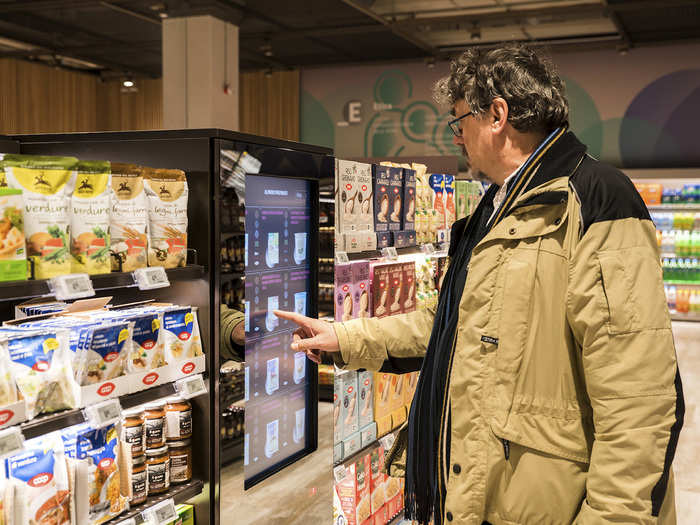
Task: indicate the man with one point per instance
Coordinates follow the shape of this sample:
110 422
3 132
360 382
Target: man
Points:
549 392
232 329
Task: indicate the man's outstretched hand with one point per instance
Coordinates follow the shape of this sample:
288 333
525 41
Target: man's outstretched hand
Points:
312 336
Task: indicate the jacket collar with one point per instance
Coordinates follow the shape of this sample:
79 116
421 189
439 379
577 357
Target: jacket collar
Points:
559 161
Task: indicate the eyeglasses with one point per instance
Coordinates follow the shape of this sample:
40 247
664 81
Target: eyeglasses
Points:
454 127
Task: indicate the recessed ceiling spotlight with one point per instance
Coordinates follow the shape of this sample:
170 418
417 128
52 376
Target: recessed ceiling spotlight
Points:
128 82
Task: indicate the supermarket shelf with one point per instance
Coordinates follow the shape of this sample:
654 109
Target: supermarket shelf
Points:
51 422
673 207
231 450
674 255
179 494
675 316
682 284
13 290
364 450
378 253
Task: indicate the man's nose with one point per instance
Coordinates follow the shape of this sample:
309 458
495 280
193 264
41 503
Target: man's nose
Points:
457 140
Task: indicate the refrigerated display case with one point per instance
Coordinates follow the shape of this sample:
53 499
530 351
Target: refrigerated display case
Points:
198 153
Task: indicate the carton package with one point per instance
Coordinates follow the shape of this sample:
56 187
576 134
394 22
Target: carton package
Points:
404 239
337 453
365 201
384 240
376 485
382 387
461 199
398 417
337 401
361 292
350 405
437 185
409 200
381 184
368 434
381 517
364 380
354 491
396 198
353 183
380 289
344 303
396 392
395 287
13 253
186 513
359 241
352 444
384 425
409 387
408 289
450 212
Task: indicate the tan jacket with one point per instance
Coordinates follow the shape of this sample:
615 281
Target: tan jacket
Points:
563 358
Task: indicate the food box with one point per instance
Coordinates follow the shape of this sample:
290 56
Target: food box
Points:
368 434
384 240
350 405
361 292
408 290
380 289
381 183
337 401
354 491
395 285
396 392
382 387
410 383
364 381
396 198
437 185
398 417
376 486
186 513
409 200
338 453
450 211
359 241
352 445
13 252
383 425
343 292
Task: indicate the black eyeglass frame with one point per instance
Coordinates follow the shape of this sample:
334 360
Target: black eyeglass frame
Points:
456 129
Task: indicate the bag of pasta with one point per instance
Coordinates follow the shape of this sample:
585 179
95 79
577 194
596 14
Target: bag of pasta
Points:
167 217
128 219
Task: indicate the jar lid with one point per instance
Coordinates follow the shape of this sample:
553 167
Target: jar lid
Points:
155 405
181 443
157 451
175 400
133 412
138 460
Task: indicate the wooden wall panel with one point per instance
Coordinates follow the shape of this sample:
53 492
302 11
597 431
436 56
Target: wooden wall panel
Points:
270 105
143 109
8 96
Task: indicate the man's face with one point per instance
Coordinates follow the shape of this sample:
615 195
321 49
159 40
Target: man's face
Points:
474 140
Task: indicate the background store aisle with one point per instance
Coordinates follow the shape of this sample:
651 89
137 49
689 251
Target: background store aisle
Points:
301 494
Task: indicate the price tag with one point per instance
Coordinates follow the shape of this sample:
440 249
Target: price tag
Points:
163 512
339 473
390 253
130 521
191 386
71 286
11 441
341 257
151 278
428 249
104 413
388 441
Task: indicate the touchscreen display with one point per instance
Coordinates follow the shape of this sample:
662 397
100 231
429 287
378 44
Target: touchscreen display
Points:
278 276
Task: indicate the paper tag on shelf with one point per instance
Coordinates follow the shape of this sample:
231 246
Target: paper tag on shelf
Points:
104 413
191 386
428 249
388 441
71 286
341 257
390 253
339 473
151 278
130 521
161 513
11 441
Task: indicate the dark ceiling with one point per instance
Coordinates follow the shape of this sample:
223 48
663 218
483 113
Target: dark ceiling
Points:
119 37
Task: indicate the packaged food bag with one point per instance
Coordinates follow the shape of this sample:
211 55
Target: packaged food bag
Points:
167 217
128 222
7 496
102 352
42 370
8 388
42 496
89 218
13 254
46 183
100 447
181 336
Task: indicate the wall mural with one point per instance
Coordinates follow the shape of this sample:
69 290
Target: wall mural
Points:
633 111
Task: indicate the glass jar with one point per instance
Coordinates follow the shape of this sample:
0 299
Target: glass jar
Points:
158 470
180 453
178 417
133 431
139 486
154 417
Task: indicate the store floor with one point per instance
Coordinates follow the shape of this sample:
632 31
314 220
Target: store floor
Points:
298 495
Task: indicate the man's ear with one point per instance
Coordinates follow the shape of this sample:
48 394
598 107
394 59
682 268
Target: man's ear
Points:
498 114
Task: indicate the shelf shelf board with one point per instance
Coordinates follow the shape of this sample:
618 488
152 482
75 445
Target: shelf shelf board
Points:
685 317
408 250
179 493
51 422
16 290
682 284
673 207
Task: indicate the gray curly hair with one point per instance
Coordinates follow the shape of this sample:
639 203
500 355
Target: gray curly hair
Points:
527 81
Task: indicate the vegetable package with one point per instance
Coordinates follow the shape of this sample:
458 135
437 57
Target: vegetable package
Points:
167 217
90 211
13 255
46 183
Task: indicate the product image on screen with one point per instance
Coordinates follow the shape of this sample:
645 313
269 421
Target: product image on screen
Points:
279 268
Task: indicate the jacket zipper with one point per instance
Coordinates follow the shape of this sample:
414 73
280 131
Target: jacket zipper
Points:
506 448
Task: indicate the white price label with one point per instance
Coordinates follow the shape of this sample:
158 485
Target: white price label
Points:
104 413
71 286
151 278
341 257
11 441
390 253
163 512
339 473
130 521
191 386
388 441
428 249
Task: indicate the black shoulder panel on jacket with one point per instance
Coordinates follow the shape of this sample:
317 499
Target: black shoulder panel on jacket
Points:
606 194
456 234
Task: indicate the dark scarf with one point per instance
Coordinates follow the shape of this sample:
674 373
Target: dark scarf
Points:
424 493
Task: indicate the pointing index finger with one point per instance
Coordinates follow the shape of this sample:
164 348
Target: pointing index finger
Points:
292 316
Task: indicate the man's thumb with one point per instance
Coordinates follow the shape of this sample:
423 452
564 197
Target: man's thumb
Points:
305 344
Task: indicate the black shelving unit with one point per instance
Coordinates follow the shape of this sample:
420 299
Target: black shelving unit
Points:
231 450
179 494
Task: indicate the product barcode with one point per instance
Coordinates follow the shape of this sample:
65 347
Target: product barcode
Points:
339 472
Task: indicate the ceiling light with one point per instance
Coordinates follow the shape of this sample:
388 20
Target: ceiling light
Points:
430 62
268 73
266 49
163 14
128 83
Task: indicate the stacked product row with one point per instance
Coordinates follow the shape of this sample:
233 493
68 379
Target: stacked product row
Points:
655 193
683 300
74 356
59 215
93 472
